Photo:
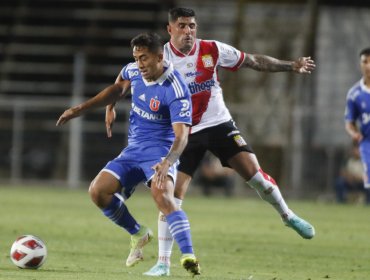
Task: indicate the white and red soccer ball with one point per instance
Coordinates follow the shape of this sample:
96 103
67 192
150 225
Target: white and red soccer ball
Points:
28 251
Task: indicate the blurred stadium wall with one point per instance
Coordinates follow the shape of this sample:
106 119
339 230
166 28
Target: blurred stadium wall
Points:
57 53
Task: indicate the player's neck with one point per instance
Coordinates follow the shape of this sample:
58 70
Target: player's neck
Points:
157 74
367 81
184 50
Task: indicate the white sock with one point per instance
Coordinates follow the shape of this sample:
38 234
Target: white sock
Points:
165 239
267 189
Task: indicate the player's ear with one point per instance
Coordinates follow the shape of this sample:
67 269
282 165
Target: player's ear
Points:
160 57
169 29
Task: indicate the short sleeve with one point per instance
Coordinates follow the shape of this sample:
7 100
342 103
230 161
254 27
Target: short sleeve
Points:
351 112
124 73
179 101
229 57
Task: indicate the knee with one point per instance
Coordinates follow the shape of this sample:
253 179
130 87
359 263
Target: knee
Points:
181 186
180 193
98 196
165 202
160 197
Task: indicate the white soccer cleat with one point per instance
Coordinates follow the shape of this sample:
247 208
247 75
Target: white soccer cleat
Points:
159 269
302 227
138 241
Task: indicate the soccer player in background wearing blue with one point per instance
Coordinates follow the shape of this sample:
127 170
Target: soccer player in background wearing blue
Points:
160 118
358 112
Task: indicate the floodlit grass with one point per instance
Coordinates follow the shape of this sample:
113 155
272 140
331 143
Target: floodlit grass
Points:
234 238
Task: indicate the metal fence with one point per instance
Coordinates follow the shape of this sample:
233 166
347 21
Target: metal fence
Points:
32 148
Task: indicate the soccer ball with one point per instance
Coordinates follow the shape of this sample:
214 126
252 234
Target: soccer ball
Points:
28 251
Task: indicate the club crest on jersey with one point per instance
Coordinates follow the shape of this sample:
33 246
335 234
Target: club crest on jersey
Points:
207 61
154 104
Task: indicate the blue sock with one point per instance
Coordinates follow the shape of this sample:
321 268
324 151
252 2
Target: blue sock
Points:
180 229
117 212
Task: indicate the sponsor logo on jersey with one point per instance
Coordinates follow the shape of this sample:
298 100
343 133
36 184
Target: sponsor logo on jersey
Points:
226 50
185 112
365 118
195 87
154 104
192 74
146 115
133 73
142 97
207 61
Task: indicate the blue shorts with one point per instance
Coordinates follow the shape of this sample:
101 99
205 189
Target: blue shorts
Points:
130 172
365 158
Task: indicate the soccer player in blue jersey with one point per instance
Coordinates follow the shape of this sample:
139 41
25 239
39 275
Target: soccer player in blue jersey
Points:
213 128
160 118
357 116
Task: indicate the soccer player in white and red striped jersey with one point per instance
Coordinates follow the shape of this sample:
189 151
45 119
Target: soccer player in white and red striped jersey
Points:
212 126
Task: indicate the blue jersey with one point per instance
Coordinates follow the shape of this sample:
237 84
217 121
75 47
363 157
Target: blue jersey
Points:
358 108
155 107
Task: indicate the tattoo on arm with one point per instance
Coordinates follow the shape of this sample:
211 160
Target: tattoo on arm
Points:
172 157
267 63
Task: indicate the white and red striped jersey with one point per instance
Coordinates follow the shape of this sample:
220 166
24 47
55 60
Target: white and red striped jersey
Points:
199 68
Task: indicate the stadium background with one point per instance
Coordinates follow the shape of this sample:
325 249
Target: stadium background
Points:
57 53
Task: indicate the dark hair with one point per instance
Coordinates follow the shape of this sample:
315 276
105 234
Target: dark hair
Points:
365 52
175 13
150 40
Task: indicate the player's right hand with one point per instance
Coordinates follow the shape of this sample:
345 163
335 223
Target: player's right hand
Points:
110 117
304 65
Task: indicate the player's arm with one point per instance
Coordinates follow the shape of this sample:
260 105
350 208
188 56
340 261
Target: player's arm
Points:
110 112
353 131
264 63
107 96
181 131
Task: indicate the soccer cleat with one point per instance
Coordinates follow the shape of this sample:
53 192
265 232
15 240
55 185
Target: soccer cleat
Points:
159 269
138 241
303 228
190 263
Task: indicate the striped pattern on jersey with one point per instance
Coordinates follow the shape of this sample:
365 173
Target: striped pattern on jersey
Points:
179 92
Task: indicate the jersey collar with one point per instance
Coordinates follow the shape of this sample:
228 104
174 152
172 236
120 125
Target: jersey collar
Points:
364 87
168 66
180 54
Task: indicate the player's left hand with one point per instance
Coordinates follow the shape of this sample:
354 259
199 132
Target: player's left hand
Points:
304 65
161 171
67 115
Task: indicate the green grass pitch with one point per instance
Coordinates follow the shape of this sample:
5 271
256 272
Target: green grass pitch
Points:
237 238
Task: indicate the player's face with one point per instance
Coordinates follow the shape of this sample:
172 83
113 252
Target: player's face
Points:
183 33
150 64
365 66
